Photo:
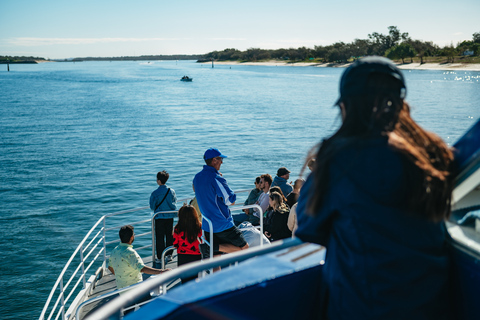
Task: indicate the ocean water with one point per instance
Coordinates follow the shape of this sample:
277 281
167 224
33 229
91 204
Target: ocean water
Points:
79 140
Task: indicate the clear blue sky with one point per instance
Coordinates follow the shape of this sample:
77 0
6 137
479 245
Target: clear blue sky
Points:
64 29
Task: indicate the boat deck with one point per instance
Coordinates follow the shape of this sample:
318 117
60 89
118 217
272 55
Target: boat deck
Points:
106 284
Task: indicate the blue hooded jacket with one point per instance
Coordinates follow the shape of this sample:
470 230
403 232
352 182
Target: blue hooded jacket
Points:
283 184
213 197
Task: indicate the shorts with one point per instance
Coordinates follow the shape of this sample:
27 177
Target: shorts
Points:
232 235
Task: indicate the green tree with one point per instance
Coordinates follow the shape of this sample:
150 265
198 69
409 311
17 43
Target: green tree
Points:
321 52
476 37
449 52
338 52
423 49
401 51
359 48
304 53
255 54
381 42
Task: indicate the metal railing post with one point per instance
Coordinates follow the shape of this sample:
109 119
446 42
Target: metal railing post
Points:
83 267
104 242
62 299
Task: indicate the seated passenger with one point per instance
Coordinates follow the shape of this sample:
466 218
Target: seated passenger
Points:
281 180
186 235
254 218
277 189
252 199
292 219
293 196
253 195
265 183
276 219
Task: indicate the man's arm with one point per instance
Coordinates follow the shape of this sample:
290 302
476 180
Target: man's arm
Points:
152 202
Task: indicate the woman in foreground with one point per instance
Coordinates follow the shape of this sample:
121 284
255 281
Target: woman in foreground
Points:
377 199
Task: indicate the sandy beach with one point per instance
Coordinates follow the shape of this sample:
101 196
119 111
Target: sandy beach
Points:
407 66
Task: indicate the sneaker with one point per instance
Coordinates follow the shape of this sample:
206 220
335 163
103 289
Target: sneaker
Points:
168 259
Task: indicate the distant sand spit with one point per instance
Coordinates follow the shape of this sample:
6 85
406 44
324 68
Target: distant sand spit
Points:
407 66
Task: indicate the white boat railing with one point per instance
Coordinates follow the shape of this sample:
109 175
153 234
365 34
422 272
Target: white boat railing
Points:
163 289
92 253
112 310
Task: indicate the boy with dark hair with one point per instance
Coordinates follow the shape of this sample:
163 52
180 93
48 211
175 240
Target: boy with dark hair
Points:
163 199
126 264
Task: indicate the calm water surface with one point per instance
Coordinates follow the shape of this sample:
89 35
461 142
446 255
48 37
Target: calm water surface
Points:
79 140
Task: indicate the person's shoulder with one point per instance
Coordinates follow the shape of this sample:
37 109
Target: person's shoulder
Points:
115 249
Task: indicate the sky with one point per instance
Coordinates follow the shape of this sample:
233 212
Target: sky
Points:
58 29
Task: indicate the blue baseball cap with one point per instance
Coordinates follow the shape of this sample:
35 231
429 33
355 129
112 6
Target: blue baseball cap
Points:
213 153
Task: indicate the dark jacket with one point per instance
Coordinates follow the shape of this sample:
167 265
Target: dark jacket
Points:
276 224
383 261
283 184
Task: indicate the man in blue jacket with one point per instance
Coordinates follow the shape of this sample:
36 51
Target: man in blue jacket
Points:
281 180
214 196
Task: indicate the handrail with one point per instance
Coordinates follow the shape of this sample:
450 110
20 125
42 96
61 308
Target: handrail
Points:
63 298
184 200
103 296
210 227
60 277
255 206
152 219
110 310
60 305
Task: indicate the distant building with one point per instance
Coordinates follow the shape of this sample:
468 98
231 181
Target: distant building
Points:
468 53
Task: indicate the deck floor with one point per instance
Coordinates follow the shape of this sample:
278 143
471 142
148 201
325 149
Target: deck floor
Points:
107 284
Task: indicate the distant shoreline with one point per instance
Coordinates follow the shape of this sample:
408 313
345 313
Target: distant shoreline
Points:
406 66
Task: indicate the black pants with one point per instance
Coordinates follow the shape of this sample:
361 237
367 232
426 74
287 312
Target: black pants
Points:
163 235
187 258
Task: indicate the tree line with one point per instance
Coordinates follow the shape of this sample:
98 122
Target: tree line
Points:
17 59
394 45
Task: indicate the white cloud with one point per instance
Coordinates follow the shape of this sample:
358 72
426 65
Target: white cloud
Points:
227 39
29 42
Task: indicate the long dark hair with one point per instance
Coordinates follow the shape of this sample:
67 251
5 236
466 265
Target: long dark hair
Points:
188 222
384 113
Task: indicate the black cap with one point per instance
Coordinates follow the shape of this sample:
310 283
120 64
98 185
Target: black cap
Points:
354 79
282 171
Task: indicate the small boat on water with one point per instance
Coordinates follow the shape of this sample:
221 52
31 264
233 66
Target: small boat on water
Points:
279 280
186 78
